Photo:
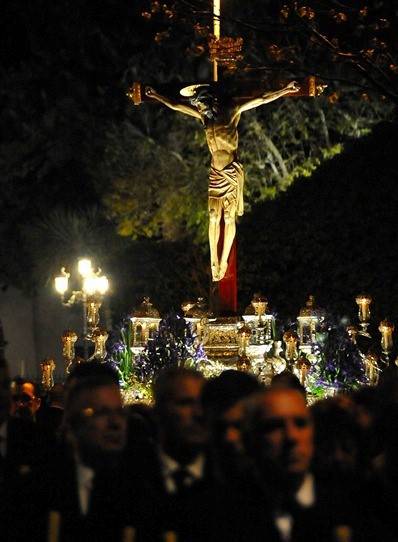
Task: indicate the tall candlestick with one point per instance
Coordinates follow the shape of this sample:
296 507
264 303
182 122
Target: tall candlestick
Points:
363 301
386 329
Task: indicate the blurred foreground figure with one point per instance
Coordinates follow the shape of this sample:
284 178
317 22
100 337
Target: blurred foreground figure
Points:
286 501
25 399
384 482
19 454
179 470
87 486
223 401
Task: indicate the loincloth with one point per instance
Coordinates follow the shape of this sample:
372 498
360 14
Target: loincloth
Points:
226 187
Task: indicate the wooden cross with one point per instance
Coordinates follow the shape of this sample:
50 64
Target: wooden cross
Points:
244 97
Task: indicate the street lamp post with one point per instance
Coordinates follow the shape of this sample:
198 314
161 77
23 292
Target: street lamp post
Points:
93 288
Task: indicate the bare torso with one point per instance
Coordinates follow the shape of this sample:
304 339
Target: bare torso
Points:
222 137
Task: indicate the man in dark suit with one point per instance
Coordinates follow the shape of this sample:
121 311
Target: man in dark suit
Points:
19 453
223 400
85 487
179 469
286 501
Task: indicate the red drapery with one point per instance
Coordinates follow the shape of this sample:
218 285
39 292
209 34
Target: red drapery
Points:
228 286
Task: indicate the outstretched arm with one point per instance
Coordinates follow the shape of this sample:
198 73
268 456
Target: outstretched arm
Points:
172 104
267 97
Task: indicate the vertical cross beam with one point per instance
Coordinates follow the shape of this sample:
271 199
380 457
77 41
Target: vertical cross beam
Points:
216 31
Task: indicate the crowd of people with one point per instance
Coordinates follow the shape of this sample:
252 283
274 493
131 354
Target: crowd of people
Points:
217 459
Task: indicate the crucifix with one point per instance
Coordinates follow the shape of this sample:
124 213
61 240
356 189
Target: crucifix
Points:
219 110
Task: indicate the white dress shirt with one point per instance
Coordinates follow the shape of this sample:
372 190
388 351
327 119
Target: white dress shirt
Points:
169 466
305 497
85 478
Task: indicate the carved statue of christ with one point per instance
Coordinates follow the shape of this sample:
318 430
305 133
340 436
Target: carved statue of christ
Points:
220 116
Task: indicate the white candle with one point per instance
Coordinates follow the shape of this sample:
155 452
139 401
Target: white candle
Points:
128 534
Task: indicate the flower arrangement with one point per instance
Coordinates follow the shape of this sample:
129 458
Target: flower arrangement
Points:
338 361
121 355
173 345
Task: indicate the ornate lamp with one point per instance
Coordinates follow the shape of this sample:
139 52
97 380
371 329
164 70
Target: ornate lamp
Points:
264 325
47 367
94 286
61 282
244 334
372 370
144 323
290 339
69 338
100 336
386 329
363 301
260 322
307 324
352 333
196 313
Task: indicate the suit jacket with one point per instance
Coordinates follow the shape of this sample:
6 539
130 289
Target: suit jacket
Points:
21 456
248 515
55 488
188 513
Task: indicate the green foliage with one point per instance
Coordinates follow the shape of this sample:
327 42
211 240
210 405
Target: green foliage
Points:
123 357
160 190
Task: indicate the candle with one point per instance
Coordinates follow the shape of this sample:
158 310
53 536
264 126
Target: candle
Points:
386 329
54 524
128 534
363 301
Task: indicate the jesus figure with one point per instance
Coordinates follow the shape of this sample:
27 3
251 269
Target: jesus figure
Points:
220 115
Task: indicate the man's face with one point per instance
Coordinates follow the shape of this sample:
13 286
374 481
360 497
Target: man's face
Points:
99 424
229 428
182 415
285 431
25 403
207 104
